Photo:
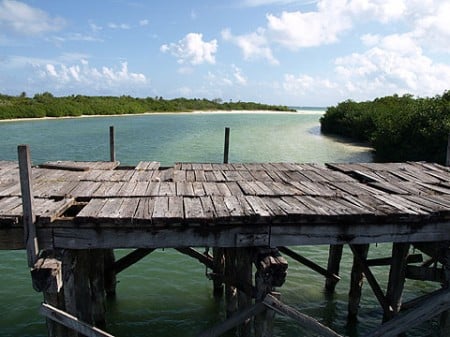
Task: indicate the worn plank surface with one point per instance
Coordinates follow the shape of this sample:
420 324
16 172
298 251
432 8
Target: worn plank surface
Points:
238 194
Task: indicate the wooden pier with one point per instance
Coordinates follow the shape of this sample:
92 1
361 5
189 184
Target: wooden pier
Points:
74 214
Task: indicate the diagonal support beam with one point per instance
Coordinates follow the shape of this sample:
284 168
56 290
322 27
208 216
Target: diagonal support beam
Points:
202 258
131 259
371 280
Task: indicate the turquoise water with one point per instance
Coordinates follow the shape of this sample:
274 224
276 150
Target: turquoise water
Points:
167 294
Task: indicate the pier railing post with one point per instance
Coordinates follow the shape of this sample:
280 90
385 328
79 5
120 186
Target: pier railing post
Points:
29 218
112 151
226 146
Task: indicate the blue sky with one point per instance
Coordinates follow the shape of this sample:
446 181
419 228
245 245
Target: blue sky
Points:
298 53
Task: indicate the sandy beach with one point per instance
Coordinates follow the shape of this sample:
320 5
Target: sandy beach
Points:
210 112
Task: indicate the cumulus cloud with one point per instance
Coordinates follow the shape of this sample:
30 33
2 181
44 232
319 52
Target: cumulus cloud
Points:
238 76
82 74
253 45
296 30
304 84
395 64
192 49
144 22
19 18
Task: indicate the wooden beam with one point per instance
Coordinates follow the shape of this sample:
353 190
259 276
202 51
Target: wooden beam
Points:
361 258
234 321
131 259
302 319
425 274
308 263
435 304
218 272
71 321
202 258
29 218
244 276
356 281
386 261
334 261
397 274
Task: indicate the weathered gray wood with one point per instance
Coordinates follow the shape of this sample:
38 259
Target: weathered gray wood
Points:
231 297
302 319
29 218
334 261
429 308
397 274
97 287
310 264
109 273
71 321
130 259
356 280
202 258
233 321
218 271
244 275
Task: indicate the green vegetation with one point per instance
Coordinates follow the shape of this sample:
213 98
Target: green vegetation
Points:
399 128
47 105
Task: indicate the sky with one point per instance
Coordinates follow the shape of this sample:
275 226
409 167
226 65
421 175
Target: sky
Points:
295 53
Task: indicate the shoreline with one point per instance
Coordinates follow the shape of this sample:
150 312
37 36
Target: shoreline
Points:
195 112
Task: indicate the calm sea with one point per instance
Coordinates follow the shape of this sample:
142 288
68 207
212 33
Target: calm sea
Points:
167 294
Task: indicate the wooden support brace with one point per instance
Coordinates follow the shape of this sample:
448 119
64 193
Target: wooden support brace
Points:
131 259
234 320
71 321
218 271
361 258
435 304
302 319
202 258
308 263
397 274
386 261
29 218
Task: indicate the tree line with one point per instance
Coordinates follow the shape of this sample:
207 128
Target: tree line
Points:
47 105
399 128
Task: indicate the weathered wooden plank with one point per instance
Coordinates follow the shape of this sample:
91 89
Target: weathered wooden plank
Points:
193 209
144 210
184 189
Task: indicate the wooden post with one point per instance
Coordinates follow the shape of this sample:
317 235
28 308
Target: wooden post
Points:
244 275
397 276
29 219
271 273
334 261
110 273
219 265
97 286
356 283
226 146
112 151
231 300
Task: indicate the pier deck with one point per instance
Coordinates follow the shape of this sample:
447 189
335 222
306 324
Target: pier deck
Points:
101 205
247 213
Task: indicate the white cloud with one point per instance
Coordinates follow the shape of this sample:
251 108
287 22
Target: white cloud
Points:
296 30
85 75
253 45
113 25
304 84
395 65
192 49
19 18
144 22
238 76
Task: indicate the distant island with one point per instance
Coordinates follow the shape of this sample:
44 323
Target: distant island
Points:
399 128
47 105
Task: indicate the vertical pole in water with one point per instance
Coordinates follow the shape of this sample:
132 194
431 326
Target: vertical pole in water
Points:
29 217
112 151
356 283
226 146
334 261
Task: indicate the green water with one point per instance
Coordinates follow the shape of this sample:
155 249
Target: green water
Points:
167 294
